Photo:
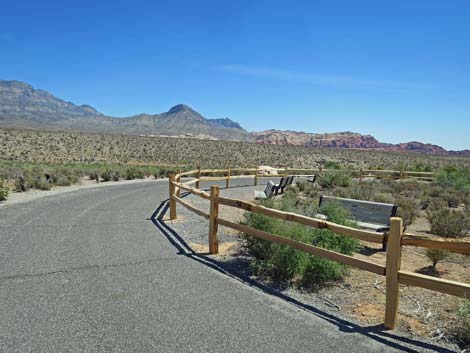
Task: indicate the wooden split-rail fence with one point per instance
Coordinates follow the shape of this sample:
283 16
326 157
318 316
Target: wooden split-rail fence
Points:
395 237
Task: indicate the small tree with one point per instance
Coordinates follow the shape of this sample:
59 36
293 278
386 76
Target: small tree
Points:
436 255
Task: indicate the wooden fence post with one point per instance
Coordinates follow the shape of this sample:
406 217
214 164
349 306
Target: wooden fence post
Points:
285 171
172 192
391 272
214 213
402 175
256 176
227 182
178 190
198 176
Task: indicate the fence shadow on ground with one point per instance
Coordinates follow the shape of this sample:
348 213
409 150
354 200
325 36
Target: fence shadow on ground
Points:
238 270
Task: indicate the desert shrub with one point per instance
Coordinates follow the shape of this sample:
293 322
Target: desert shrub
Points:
283 263
452 198
44 179
449 223
133 173
41 183
63 177
34 179
4 190
422 167
307 188
165 172
94 175
419 166
454 177
330 180
436 255
356 191
20 184
304 186
432 204
462 326
110 175
382 197
332 165
407 210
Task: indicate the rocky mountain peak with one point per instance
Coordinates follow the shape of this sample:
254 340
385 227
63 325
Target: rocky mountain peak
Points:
180 108
225 122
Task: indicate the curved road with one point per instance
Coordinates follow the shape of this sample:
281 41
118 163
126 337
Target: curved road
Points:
87 271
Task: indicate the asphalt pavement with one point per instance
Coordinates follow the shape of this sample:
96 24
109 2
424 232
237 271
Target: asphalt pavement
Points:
91 271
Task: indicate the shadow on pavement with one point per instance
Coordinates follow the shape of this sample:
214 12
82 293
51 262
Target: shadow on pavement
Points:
238 269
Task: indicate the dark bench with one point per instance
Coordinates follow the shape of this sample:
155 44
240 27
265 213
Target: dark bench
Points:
367 214
267 193
283 183
312 179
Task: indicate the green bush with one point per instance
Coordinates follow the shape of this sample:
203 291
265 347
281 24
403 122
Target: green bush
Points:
331 179
453 199
63 177
451 176
332 165
407 210
419 166
432 204
382 197
134 173
110 175
41 184
4 190
449 223
283 263
436 255
462 327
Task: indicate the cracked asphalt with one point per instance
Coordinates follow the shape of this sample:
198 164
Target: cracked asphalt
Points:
89 271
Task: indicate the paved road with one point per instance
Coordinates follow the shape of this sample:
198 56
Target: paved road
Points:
87 271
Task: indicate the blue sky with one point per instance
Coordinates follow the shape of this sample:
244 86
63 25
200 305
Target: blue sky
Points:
399 70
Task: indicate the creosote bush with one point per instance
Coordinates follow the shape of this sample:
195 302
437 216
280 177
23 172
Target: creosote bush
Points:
407 210
110 175
133 173
449 223
63 177
283 263
458 178
4 190
436 255
462 326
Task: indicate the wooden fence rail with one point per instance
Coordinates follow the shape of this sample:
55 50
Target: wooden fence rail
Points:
395 238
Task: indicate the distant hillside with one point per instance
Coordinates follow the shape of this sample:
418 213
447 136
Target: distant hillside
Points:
346 140
22 106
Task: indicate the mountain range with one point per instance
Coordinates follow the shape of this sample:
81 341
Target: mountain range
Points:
22 106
